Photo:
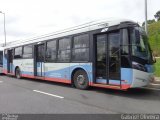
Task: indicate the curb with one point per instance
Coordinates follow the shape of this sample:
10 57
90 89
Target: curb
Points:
157 78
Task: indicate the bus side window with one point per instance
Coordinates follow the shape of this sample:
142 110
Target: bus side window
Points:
80 51
18 52
27 51
51 51
64 49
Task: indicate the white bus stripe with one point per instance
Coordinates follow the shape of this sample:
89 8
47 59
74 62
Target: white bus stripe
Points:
48 94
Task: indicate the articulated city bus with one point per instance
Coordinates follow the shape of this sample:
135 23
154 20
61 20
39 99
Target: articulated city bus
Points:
109 54
1 59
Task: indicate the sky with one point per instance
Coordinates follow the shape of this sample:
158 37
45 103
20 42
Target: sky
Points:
28 18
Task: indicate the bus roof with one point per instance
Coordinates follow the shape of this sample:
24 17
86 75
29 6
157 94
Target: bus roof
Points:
94 25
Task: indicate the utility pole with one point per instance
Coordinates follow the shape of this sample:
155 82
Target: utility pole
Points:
4 20
146 24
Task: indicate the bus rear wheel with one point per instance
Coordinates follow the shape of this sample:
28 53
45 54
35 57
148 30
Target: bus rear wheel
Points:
80 80
18 73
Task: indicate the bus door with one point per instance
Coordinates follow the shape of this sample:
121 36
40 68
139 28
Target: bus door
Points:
39 60
10 61
108 59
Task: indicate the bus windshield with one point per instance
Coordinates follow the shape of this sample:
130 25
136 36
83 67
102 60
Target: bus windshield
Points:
1 58
140 45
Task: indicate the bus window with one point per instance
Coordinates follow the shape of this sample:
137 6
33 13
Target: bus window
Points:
18 52
27 51
80 50
64 49
51 51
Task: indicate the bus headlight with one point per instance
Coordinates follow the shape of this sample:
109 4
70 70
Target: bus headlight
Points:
138 66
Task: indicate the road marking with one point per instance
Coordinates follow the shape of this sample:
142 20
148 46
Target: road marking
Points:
151 88
1 81
48 94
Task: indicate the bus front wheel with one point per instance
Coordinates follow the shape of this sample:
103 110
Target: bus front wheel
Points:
18 73
80 80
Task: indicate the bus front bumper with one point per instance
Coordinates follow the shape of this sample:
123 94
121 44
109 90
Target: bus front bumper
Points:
141 79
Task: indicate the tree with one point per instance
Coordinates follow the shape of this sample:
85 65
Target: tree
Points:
157 15
149 22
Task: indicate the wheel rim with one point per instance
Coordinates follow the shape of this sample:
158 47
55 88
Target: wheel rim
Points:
81 79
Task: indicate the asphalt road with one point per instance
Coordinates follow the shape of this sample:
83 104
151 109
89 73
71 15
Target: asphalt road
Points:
40 97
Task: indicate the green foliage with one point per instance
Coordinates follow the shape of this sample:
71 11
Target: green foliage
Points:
149 22
157 67
154 37
154 40
157 16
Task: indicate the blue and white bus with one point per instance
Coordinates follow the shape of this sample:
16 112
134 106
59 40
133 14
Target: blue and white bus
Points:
109 54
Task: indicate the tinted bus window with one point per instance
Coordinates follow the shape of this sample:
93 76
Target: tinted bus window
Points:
18 52
81 41
80 50
125 42
27 51
64 44
51 51
64 49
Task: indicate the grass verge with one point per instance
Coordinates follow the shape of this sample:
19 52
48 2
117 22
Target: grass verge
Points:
157 67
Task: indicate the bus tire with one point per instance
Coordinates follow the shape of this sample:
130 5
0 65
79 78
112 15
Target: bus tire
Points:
80 80
18 73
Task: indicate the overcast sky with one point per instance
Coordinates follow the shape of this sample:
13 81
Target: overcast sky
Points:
27 18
